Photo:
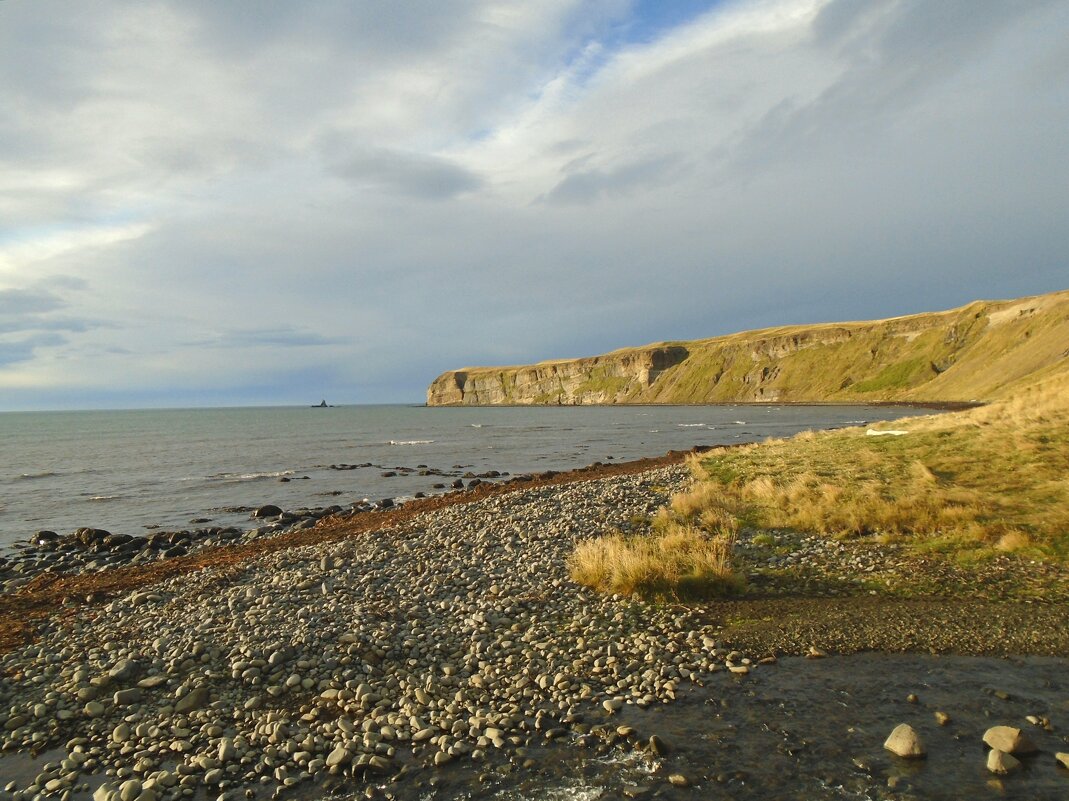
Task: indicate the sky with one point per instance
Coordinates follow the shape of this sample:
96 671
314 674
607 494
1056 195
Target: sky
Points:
267 202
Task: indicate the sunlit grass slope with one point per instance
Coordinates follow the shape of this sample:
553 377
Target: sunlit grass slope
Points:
995 477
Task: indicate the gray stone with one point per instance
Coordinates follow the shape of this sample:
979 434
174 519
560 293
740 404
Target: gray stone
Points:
127 697
339 755
192 700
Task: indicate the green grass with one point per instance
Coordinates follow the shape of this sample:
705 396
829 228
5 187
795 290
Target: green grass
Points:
984 350
993 479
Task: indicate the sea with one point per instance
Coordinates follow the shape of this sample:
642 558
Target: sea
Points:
133 471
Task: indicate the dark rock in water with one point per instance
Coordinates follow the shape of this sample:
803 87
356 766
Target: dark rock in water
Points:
90 536
41 537
177 550
437 486
421 495
269 510
114 540
474 483
389 474
283 480
458 484
386 503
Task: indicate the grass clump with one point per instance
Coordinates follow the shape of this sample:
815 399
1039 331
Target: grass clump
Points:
685 554
989 480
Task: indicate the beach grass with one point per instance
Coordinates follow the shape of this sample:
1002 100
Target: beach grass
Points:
973 483
684 553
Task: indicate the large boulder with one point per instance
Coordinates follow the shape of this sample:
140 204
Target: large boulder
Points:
905 742
1010 740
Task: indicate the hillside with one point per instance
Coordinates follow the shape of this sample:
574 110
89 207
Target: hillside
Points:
975 352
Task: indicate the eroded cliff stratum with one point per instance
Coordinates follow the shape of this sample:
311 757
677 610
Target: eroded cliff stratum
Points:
975 352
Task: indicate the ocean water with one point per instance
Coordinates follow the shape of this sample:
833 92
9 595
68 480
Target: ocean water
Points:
127 471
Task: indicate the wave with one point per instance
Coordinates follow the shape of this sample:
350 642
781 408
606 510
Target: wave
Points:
476 425
740 422
230 478
32 476
691 425
410 442
104 497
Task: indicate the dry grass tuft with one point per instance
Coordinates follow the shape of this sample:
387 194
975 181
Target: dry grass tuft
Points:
681 563
686 555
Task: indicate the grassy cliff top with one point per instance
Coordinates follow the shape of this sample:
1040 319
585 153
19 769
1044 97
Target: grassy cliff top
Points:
977 352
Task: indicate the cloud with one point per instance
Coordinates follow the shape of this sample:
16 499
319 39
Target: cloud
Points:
22 350
587 185
410 174
280 337
20 302
362 196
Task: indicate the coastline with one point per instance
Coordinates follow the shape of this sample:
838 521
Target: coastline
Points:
408 624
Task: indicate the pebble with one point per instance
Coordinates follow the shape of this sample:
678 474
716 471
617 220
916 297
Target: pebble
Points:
1001 763
446 638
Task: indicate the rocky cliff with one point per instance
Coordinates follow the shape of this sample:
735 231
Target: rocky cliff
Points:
971 353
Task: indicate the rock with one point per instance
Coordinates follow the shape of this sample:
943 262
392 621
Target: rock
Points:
339 755
905 742
127 697
129 790
1001 763
227 751
942 718
121 733
678 780
104 792
94 709
267 510
123 669
1009 739
1063 759
192 700
612 705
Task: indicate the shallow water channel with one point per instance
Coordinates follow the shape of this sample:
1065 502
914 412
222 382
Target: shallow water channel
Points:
799 729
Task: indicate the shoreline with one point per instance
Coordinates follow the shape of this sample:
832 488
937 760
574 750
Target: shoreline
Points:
935 405
440 641
35 601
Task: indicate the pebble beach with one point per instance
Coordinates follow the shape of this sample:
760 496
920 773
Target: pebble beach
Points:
433 651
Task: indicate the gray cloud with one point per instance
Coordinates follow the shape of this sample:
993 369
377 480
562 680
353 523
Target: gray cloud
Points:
21 302
587 185
410 174
278 337
23 350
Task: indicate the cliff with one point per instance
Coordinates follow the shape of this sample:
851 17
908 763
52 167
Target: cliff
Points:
976 352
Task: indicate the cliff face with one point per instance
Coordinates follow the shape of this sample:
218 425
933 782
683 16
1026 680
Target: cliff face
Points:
971 353
612 378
